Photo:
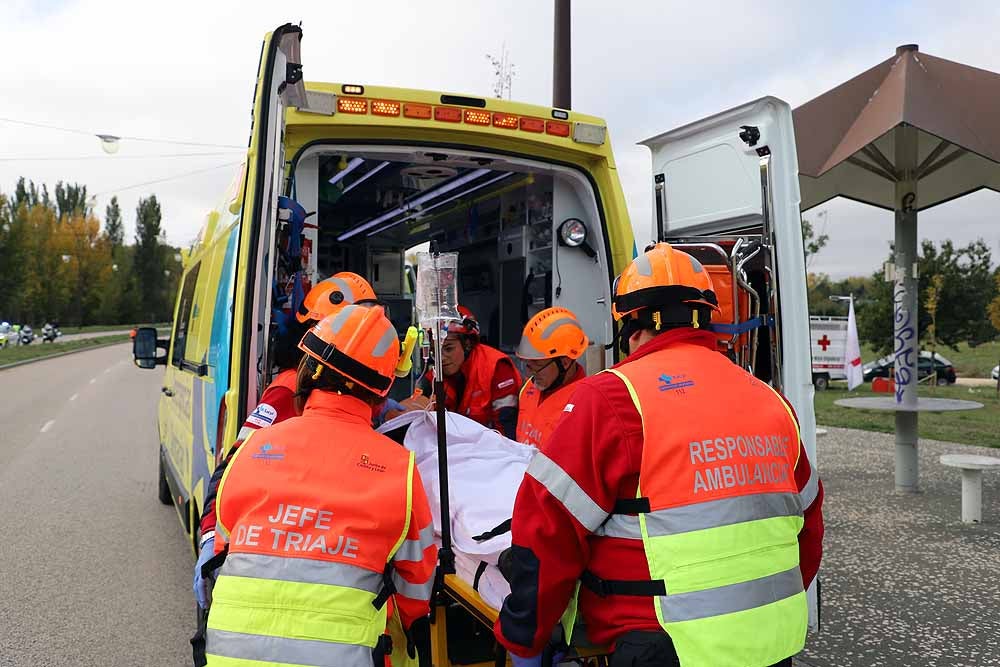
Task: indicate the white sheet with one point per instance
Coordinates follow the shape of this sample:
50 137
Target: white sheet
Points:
484 472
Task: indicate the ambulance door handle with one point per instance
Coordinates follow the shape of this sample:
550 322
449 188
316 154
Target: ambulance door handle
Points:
166 390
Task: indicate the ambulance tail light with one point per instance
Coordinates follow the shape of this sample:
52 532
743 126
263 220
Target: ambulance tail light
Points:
385 108
417 111
505 120
448 114
588 133
532 125
557 128
474 117
352 105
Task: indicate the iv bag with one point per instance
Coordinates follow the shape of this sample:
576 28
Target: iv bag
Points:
437 289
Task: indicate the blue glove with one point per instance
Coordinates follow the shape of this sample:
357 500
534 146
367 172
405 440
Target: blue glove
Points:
518 661
203 585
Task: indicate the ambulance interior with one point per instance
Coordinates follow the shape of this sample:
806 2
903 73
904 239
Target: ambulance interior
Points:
528 234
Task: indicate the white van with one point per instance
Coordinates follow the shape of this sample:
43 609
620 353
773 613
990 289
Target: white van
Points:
829 340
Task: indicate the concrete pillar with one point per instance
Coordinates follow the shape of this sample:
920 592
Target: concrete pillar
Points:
972 496
905 344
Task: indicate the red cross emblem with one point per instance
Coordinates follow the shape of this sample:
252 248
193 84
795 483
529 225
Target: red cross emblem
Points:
824 342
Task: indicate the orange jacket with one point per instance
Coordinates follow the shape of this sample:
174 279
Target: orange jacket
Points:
325 488
491 383
538 411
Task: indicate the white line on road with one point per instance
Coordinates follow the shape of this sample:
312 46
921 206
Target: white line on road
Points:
73 397
48 425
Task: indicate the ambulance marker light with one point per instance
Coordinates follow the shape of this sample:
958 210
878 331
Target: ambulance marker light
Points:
385 108
419 111
352 105
448 114
557 128
349 89
588 133
505 120
473 117
532 124
560 114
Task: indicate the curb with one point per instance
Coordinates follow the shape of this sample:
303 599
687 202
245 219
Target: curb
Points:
25 362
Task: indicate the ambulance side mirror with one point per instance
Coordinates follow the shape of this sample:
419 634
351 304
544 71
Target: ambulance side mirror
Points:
144 347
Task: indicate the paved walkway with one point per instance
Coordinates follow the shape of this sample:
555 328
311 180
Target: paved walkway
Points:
904 582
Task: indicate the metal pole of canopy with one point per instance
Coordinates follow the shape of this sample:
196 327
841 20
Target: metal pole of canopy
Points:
561 56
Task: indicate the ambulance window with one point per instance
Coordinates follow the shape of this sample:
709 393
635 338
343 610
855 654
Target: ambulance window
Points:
184 311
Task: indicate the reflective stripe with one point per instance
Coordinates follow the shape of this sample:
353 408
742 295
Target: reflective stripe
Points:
505 402
732 598
722 512
301 570
413 550
219 528
808 494
245 433
411 590
306 652
624 526
344 287
548 473
386 342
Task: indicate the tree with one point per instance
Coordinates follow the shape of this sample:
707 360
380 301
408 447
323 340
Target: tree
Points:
966 288
811 244
994 308
113 229
70 199
149 258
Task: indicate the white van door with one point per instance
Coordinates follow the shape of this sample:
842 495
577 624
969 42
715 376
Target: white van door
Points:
737 172
279 84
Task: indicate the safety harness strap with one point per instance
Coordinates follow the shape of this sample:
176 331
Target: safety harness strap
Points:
631 506
742 327
388 588
340 361
494 532
634 587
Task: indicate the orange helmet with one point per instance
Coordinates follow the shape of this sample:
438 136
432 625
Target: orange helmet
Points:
332 294
660 278
468 326
357 342
554 332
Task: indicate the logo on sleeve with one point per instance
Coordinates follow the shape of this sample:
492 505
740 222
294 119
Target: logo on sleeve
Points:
505 384
670 382
268 453
263 416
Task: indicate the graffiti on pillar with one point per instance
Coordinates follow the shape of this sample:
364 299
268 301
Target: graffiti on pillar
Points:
905 334
908 200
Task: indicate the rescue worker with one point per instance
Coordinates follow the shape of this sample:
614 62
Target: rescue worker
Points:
480 382
324 519
678 494
551 343
277 402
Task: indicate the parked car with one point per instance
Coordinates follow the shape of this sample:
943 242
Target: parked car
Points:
940 366
996 372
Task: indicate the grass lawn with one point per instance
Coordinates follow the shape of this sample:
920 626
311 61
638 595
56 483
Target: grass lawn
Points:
23 352
972 427
970 362
92 328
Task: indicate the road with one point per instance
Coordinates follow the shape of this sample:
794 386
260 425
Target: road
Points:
93 569
80 336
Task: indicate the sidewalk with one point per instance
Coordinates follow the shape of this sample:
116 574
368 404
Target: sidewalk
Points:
904 582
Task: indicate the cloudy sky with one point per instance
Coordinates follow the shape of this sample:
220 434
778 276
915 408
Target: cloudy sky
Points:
184 71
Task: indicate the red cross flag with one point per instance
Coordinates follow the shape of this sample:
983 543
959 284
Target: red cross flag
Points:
852 352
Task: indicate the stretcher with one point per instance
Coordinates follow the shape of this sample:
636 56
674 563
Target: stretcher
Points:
483 473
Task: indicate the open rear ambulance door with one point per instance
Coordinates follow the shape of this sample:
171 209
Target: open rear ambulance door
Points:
279 84
736 174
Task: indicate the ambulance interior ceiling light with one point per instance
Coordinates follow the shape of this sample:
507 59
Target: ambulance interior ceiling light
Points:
365 176
416 201
351 166
422 212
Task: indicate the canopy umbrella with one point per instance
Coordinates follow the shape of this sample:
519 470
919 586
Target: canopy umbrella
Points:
910 133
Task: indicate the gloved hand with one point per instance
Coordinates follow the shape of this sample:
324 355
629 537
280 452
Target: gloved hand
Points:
203 585
518 661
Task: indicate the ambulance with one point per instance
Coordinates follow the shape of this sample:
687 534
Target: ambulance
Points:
529 198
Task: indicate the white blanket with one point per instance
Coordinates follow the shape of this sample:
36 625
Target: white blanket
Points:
485 470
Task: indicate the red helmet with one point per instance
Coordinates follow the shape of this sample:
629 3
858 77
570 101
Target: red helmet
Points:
468 326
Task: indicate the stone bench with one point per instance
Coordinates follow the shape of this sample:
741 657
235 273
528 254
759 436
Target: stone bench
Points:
972 467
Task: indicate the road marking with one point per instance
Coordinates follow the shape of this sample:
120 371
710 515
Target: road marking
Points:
48 425
73 397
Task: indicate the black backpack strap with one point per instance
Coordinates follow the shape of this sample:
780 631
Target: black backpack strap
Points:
637 588
494 532
479 575
388 588
631 506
